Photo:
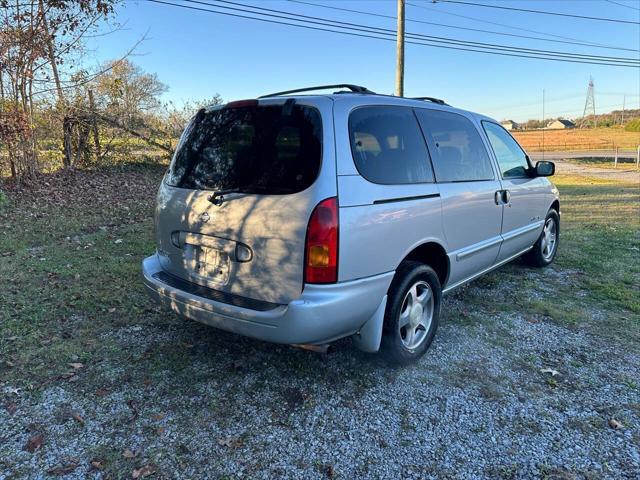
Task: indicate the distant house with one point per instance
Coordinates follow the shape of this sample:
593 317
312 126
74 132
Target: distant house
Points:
561 124
510 125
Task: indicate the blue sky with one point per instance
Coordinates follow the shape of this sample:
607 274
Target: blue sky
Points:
199 54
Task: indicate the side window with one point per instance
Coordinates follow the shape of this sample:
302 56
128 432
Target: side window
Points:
456 148
387 145
512 160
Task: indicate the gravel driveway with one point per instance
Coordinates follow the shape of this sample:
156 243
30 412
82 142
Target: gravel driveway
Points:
477 405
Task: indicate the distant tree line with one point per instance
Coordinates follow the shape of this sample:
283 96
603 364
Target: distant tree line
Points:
611 119
633 126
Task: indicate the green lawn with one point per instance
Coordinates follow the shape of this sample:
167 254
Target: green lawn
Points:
71 250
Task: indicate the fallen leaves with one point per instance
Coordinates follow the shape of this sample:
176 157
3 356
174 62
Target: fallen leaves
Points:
64 469
230 442
134 410
102 392
70 376
142 472
34 443
11 408
615 424
329 470
128 453
77 417
97 464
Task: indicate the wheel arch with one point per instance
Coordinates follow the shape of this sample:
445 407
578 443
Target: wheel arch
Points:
433 254
555 205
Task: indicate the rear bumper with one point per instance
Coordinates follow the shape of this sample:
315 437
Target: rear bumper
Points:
322 313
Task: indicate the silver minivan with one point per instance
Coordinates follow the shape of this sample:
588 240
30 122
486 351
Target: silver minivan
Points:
303 219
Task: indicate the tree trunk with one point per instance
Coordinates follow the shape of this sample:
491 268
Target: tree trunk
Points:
34 139
83 137
67 132
94 126
51 54
67 160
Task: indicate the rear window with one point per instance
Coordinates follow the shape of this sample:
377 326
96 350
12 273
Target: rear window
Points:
388 147
250 149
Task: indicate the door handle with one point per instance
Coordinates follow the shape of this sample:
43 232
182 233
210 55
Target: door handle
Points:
503 197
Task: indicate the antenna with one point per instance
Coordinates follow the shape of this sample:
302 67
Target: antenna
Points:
589 105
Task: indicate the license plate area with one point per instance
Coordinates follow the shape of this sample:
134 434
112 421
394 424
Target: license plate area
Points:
207 263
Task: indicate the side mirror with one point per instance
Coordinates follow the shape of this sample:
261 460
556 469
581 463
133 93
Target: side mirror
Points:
545 169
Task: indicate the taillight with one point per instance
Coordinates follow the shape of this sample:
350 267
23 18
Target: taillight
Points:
321 247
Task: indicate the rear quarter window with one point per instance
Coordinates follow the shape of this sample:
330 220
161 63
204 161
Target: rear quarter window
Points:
387 145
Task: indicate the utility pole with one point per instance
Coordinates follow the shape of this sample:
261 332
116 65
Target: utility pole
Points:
400 51
624 101
543 124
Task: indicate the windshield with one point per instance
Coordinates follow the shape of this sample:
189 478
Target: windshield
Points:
250 149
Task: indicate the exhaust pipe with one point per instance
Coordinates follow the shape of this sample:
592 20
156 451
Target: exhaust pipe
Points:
324 349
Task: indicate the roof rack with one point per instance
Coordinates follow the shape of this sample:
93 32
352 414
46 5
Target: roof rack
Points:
431 99
353 88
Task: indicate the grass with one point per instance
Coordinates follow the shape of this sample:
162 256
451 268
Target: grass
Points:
604 162
578 139
68 282
71 294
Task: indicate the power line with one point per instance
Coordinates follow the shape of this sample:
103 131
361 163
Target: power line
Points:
541 12
623 5
386 31
512 27
457 27
421 39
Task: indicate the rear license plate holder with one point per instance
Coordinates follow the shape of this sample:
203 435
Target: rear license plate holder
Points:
207 263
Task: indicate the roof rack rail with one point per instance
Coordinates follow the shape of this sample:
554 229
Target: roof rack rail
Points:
353 88
431 99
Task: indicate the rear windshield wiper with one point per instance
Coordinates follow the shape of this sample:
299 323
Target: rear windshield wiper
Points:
217 197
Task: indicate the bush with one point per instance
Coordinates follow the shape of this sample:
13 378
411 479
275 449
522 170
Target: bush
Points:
633 126
3 199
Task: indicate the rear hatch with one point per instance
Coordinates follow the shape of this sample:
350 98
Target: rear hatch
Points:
233 208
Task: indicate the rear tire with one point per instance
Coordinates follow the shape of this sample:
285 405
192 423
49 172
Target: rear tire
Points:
546 247
412 314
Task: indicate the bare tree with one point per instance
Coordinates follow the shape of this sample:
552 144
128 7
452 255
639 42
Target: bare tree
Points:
36 38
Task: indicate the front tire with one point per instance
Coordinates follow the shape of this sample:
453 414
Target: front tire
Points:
412 314
546 247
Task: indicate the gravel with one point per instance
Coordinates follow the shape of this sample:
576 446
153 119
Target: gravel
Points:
193 402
